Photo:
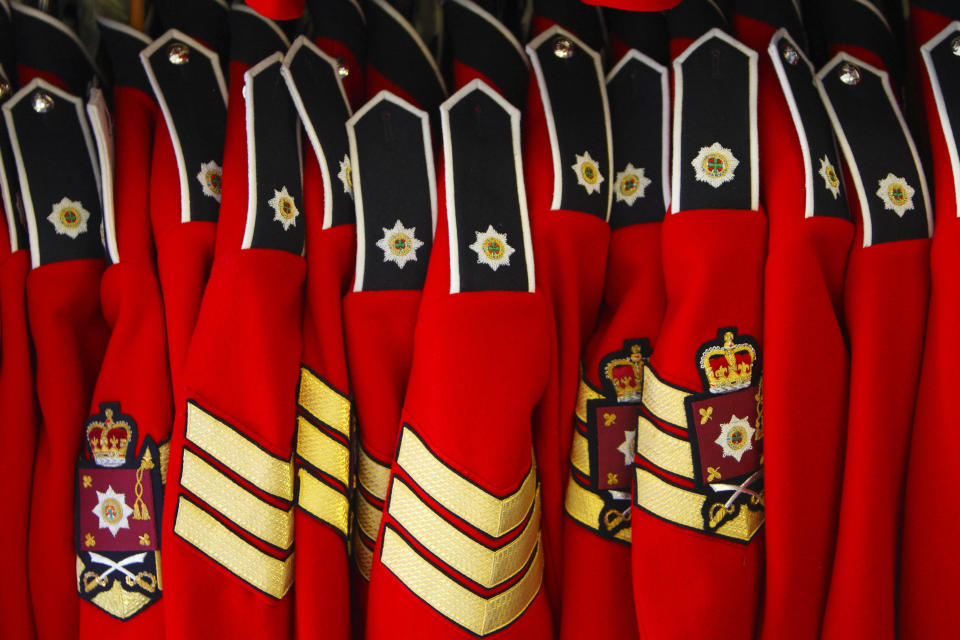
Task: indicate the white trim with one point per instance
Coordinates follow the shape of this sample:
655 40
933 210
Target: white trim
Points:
308 126
714 4
950 29
124 29
558 167
870 6
385 96
796 7
8 205
222 3
752 106
242 8
6 7
59 26
644 59
848 151
248 99
103 136
514 113
30 213
485 15
775 55
356 5
183 170
399 19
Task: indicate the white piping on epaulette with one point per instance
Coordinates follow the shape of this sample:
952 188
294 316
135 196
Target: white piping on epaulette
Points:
486 16
105 152
60 26
870 6
5 192
399 19
124 29
242 8
950 29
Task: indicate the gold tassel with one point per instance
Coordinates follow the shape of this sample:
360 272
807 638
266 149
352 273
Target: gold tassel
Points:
140 511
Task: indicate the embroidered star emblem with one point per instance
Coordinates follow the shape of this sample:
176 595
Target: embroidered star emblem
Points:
829 175
69 218
632 183
211 179
736 437
588 173
896 194
346 175
399 244
627 447
492 248
112 511
715 165
284 210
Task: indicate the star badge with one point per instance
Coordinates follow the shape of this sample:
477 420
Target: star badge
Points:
399 244
715 165
284 210
492 248
346 175
112 511
736 437
627 447
632 183
211 179
896 194
829 175
588 173
69 218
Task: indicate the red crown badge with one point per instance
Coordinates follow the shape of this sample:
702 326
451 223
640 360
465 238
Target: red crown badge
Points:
110 435
727 364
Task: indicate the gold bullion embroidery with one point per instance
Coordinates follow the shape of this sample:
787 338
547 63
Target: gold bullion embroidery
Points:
664 401
362 555
368 516
324 403
322 451
584 394
664 450
580 453
323 501
372 475
585 506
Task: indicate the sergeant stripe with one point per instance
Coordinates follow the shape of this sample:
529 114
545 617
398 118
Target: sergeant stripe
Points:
485 511
322 451
663 400
368 516
580 453
475 613
372 475
667 452
264 572
324 403
586 507
323 501
362 555
164 450
485 566
265 521
267 472
584 394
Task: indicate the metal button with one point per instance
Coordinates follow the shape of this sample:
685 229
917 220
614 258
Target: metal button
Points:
955 46
562 47
42 102
178 53
790 55
849 74
5 89
342 69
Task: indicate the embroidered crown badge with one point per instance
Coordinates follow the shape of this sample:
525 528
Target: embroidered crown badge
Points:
727 365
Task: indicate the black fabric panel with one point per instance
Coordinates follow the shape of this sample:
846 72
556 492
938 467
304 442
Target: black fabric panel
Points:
392 51
478 44
576 96
317 83
204 20
58 165
693 18
636 117
508 12
9 180
779 14
641 30
580 19
716 108
485 192
392 164
123 58
41 46
252 38
947 8
947 67
276 133
819 135
199 115
8 57
339 20
879 147
847 22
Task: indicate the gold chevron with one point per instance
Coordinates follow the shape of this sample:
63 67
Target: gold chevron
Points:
585 393
362 555
368 516
324 403
372 475
664 450
580 453
586 507
322 451
664 401
323 501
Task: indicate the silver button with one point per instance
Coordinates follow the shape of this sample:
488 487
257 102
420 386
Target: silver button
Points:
42 102
849 74
955 46
562 47
342 69
790 55
5 89
178 53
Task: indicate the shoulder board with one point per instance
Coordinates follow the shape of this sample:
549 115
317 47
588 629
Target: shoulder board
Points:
779 14
398 53
273 168
946 8
8 57
340 21
879 150
825 193
645 31
317 91
206 22
574 97
102 129
9 186
188 84
640 120
943 69
861 23
478 40
47 45
60 190
490 247
253 37
693 18
122 46
396 203
583 20
715 125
